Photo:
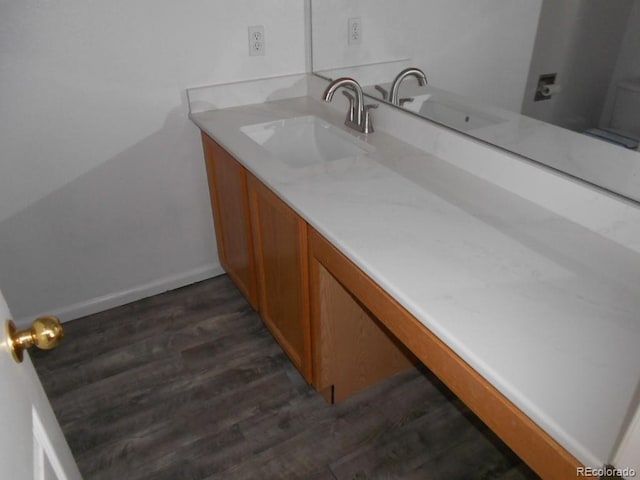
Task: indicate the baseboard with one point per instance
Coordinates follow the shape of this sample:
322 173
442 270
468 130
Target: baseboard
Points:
116 299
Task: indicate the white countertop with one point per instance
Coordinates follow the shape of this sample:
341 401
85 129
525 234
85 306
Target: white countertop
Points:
545 309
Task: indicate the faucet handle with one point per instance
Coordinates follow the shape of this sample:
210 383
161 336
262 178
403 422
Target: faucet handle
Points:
367 125
351 114
382 91
349 96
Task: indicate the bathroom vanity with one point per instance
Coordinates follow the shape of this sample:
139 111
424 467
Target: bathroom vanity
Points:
264 246
362 263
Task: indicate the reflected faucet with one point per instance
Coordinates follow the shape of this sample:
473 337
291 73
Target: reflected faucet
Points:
395 86
358 116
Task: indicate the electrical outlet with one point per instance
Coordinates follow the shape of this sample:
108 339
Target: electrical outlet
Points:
257 41
355 31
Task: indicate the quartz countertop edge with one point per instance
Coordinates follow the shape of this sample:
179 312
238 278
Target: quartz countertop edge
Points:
542 308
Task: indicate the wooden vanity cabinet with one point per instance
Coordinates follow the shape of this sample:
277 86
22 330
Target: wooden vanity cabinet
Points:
230 205
280 245
262 244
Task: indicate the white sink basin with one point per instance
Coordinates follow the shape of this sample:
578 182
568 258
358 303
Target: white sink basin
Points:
304 141
450 113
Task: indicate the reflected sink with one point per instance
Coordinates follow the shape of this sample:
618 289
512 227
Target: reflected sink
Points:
303 141
450 113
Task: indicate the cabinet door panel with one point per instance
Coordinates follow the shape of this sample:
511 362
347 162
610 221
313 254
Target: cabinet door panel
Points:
353 349
280 242
230 205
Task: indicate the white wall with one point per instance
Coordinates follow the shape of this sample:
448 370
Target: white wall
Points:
578 40
480 49
628 64
103 195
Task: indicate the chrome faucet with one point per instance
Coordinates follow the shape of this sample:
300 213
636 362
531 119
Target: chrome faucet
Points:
395 86
358 116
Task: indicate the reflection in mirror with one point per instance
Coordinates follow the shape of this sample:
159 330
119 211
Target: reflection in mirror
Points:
554 81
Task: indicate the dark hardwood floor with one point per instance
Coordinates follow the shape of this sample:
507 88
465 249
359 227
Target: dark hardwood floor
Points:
190 385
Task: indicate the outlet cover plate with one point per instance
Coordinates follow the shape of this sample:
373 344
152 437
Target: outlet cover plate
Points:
257 43
355 31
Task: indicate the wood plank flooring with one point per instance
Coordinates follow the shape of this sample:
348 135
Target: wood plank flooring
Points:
190 385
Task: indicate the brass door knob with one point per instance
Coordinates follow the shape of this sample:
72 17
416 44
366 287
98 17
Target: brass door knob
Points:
45 333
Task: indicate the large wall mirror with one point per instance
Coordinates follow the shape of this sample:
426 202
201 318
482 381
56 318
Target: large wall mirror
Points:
555 81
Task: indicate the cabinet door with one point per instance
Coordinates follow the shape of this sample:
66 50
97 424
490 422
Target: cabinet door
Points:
280 242
352 348
230 205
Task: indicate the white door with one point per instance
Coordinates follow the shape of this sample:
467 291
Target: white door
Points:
628 454
32 446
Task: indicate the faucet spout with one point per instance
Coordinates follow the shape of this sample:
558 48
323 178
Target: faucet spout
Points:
351 83
407 72
358 116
